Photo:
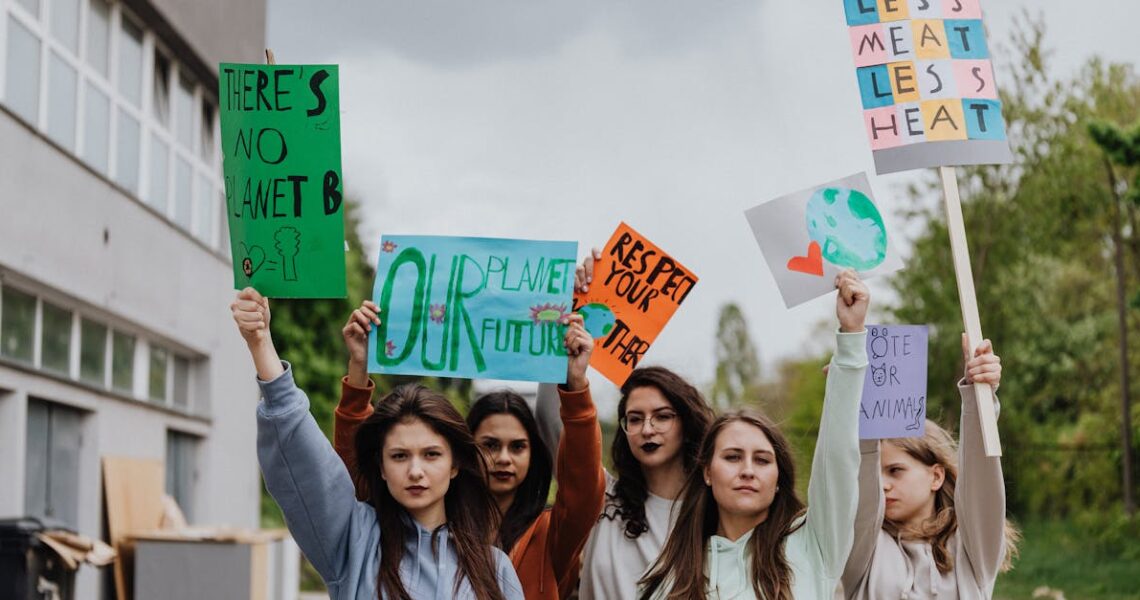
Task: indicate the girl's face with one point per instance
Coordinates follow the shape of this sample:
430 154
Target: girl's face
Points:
743 474
653 429
506 445
909 486
416 463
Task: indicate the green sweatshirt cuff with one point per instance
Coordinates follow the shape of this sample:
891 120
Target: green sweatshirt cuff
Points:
851 349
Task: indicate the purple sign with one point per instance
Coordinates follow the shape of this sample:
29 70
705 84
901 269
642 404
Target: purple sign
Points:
894 392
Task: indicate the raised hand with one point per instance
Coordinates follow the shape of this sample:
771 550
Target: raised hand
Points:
355 335
852 302
356 330
251 313
584 274
579 348
985 366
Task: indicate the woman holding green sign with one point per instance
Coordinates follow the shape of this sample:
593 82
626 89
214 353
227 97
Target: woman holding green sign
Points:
428 530
544 544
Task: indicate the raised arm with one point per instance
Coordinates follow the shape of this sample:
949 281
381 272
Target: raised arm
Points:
301 471
834 483
868 518
979 498
355 390
581 480
546 408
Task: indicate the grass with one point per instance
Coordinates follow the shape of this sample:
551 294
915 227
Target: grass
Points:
1067 556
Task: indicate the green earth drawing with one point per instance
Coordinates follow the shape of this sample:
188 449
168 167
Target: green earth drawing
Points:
848 228
599 319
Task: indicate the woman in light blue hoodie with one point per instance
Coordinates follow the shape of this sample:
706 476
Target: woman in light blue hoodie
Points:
430 528
741 530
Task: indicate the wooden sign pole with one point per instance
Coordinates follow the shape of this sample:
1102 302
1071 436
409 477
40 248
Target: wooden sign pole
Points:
269 57
969 301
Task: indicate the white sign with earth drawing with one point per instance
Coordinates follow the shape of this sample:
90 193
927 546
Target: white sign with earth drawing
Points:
809 236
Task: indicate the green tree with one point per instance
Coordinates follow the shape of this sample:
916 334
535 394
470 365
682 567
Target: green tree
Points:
1121 150
1039 253
737 368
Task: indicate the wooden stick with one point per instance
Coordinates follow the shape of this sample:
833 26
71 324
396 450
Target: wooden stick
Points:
969 301
269 60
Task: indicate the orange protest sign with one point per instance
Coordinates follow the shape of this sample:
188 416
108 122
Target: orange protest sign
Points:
635 291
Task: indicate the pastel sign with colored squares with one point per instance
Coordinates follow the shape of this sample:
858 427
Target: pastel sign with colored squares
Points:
926 83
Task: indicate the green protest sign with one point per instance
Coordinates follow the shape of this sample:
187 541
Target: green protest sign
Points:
281 157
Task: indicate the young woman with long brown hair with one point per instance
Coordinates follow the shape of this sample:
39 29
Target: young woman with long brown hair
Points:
428 531
543 544
741 530
931 520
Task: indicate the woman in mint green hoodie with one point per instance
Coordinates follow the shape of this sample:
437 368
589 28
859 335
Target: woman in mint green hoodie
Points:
741 530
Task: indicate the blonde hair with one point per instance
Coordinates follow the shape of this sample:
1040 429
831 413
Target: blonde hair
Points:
937 447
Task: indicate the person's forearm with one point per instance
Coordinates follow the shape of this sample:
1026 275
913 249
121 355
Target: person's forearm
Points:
357 373
265 359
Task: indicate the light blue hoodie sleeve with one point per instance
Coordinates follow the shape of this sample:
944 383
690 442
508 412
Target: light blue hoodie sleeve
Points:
310 484
833 488
508 579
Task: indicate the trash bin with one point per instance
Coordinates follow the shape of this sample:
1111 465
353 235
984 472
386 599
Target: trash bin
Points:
29 569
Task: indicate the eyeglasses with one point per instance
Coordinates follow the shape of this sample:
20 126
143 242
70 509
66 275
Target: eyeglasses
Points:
660 422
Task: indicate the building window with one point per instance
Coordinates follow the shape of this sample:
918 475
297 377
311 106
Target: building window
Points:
97 129
17 325
32 6
206 145
51 462
130 62
93 353
156 388
63 89
65 23
159 165
98 113
22 87
127 163
183 194
55 346
204 212
180 388
184 111
99 37
122 363
182 470
160 97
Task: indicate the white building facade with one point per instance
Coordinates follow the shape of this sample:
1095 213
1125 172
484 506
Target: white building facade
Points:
115 276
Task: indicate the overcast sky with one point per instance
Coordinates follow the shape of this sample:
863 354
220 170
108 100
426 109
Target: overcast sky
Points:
557 119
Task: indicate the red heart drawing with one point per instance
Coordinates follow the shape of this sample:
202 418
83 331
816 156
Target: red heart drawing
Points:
812 264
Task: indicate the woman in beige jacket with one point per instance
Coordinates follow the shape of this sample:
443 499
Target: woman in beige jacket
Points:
931 517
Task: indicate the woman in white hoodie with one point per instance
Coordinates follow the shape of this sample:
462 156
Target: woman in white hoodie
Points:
741 530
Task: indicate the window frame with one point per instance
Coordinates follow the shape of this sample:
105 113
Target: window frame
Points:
203 168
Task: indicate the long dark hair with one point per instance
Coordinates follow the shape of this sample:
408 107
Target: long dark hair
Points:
682 561
530 498
472 516
627 501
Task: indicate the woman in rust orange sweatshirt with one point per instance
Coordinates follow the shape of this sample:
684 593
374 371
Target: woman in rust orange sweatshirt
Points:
544 544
